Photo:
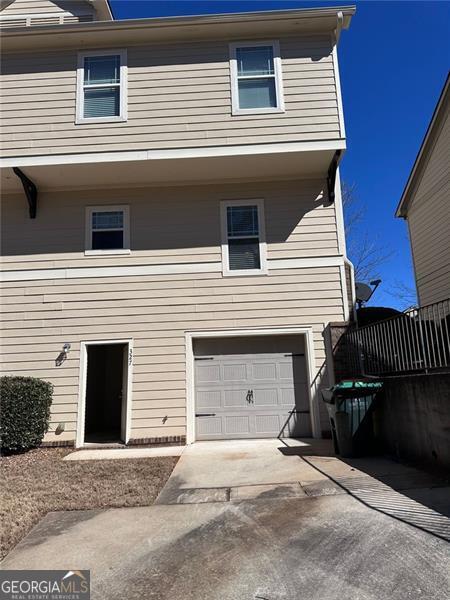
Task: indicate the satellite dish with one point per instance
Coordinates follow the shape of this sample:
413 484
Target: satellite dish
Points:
363 291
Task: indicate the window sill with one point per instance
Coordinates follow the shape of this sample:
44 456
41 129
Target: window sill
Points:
257 111
119 252
249 273
101 120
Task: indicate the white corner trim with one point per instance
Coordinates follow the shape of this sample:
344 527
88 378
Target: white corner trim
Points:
344 292
80 119
235 108
307 331
339 212
352 284
259 203
171 269
81 413
337 81
175 153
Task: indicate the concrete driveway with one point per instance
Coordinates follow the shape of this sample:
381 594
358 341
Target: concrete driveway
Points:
243 469
261 520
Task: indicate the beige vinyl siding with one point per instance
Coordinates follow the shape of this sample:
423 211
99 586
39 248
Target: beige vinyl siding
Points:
34 338
167 225
429 222
179 95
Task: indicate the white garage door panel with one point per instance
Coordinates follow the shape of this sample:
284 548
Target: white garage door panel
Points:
249 396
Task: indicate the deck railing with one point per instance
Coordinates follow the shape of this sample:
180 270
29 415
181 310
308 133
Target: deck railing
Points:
416 341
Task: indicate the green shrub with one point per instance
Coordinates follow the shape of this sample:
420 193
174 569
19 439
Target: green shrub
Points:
25 412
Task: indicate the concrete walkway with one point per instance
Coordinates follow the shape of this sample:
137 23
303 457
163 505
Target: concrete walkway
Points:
288 526
119 453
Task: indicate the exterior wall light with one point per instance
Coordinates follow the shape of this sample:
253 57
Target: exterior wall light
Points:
63 354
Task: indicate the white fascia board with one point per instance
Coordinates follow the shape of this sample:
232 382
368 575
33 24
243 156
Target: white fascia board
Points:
176 153
229 18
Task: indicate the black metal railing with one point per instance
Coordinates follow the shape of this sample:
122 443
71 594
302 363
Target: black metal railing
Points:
416 341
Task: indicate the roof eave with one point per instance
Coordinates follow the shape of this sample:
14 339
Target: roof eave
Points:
200 21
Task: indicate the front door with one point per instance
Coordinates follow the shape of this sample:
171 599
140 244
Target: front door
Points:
105 385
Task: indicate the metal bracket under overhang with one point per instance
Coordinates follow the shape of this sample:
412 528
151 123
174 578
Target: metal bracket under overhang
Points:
30 191
331 177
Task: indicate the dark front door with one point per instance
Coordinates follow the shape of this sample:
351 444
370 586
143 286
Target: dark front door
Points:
103 416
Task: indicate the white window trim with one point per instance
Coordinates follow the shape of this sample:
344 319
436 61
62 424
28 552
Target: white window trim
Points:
226 271
279 108
123 86
126 230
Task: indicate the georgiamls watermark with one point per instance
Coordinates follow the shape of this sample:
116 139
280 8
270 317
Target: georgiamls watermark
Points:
44 585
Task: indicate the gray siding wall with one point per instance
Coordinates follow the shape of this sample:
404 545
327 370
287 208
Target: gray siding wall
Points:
179 95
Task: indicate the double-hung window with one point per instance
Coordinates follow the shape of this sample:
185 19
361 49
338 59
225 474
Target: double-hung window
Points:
107 230
102 86
256 82
243 237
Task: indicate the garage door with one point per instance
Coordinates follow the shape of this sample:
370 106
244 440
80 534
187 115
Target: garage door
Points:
251 388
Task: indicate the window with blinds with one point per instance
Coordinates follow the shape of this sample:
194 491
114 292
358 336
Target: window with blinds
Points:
256 77
101 87
243 237
107 229
243 234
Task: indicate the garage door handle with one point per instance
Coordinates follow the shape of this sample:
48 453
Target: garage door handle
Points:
205 414
249 397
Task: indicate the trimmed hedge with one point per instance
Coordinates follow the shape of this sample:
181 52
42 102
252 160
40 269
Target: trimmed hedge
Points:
25 412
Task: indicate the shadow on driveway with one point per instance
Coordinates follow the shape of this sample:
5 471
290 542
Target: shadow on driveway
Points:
403 492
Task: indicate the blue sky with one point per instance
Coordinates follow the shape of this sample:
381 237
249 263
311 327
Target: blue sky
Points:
393 64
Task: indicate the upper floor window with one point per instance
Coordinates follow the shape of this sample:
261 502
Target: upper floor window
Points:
256 83
243 237
102 86
107 230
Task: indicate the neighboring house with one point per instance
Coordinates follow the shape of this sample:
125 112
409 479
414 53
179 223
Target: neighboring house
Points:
173 240
425 204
